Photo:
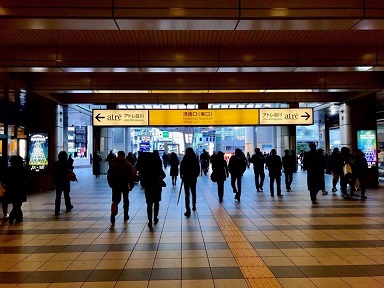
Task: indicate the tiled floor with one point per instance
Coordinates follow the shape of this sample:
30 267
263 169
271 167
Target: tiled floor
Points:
260 242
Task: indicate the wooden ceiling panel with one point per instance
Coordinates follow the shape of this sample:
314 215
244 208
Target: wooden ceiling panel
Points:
298 4
78 38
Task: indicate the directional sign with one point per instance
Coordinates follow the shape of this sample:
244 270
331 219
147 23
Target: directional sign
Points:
286 116
120 117
204 117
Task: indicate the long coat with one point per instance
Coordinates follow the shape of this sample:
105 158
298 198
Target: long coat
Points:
15 184
152 175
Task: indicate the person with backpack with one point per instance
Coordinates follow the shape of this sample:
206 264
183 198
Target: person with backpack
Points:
120 179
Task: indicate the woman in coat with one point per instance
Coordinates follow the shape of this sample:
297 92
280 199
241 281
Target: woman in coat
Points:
220 172
152 175
96 164
174 172
16 187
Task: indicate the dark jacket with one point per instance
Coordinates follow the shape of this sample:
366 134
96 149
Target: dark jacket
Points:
359 166
237 164
174 162
152 175
336 163
120 174
313 164
60 174
258 160
15 181
189 168
274 165
289 163
220 168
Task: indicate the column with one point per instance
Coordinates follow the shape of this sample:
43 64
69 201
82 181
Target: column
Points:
58 137
106 144
249 140
345 126
65 127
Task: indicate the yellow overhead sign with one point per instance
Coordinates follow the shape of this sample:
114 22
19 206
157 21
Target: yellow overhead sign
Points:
205 117
286 116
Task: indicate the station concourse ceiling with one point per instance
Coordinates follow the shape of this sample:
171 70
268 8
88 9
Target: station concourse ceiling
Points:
163 51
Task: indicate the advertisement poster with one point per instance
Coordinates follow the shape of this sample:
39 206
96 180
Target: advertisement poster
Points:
145 146
366 142
38 152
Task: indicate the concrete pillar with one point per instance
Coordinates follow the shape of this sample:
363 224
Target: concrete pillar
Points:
345 126
65 127
249 140
282 139
106 144
58 137
128 139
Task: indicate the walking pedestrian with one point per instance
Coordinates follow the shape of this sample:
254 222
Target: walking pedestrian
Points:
274 168
62 183
152 174
336 166
189 171
220 170
174 171
96 164
258 160
237 165
289 166
120 179
15 181
359 169
311 162
323 165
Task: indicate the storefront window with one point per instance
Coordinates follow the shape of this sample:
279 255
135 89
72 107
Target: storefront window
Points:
2 128
11 130
77 141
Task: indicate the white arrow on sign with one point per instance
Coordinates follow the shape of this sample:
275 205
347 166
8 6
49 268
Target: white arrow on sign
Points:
120 117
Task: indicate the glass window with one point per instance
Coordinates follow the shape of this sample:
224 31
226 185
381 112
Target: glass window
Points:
2 128
11 130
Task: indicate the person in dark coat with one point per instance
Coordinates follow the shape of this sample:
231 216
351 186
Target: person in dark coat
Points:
346 178
258 160
359 170
4 202
289 165
110 157
336 166
120 179
311 162
62 183
15 181
174 171
274 164
237 165
220 169
70 162
152 174
189 171
96 164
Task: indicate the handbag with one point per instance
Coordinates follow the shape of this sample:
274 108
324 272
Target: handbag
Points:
71 176
214 176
